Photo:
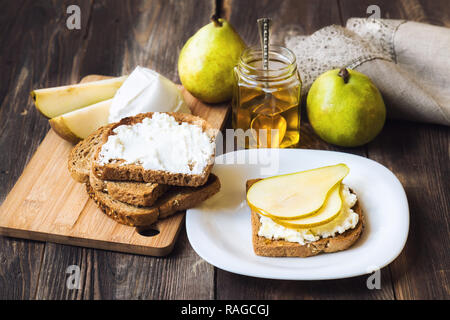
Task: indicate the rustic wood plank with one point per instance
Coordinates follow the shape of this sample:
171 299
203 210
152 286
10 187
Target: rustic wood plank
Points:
434 12
35 58
148 33
242 287
302 18
20 262
109 275
32 64
418 155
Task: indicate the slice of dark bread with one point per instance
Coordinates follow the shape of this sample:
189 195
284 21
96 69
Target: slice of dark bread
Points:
80 157
80 167
134 172
174 200
140 194
281 248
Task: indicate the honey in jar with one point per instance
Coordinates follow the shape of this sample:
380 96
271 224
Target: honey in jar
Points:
266 101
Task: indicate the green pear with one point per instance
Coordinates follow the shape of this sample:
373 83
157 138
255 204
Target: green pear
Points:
345 108
206 62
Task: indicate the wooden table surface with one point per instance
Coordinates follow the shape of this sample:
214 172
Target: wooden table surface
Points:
37 50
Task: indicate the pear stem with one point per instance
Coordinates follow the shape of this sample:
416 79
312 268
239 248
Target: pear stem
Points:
216 15
344 74
216 21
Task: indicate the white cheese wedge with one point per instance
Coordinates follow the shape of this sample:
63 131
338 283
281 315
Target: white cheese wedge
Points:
146 91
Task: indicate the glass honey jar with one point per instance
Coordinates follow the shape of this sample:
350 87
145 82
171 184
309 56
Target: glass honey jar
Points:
266 101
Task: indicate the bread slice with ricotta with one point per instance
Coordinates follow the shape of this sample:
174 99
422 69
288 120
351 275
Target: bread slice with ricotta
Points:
80 167
80 157
181 155
263 246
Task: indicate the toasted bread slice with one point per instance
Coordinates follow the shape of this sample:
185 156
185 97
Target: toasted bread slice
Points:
116 170
80 157
140 194
281 248
134 193
174 200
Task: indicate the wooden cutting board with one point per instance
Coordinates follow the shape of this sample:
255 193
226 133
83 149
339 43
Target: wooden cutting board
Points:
46 204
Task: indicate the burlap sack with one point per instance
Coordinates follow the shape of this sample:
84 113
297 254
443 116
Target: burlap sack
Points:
408 61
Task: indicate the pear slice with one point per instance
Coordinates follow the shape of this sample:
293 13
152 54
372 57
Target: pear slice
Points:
329 211
296 195
77 125
53 102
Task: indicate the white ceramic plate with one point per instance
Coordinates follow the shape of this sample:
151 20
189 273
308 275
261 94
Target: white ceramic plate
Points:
220 229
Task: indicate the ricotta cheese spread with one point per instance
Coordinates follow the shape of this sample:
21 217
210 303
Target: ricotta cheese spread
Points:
347 219
160 143
146 91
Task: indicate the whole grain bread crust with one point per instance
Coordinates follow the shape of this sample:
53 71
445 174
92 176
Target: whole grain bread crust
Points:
141 194
80 157
174 200
133 172
281 248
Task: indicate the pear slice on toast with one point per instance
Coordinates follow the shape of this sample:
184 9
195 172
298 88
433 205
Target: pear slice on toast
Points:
296 195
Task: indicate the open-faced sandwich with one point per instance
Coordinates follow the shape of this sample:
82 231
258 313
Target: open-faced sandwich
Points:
147 167
303 214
